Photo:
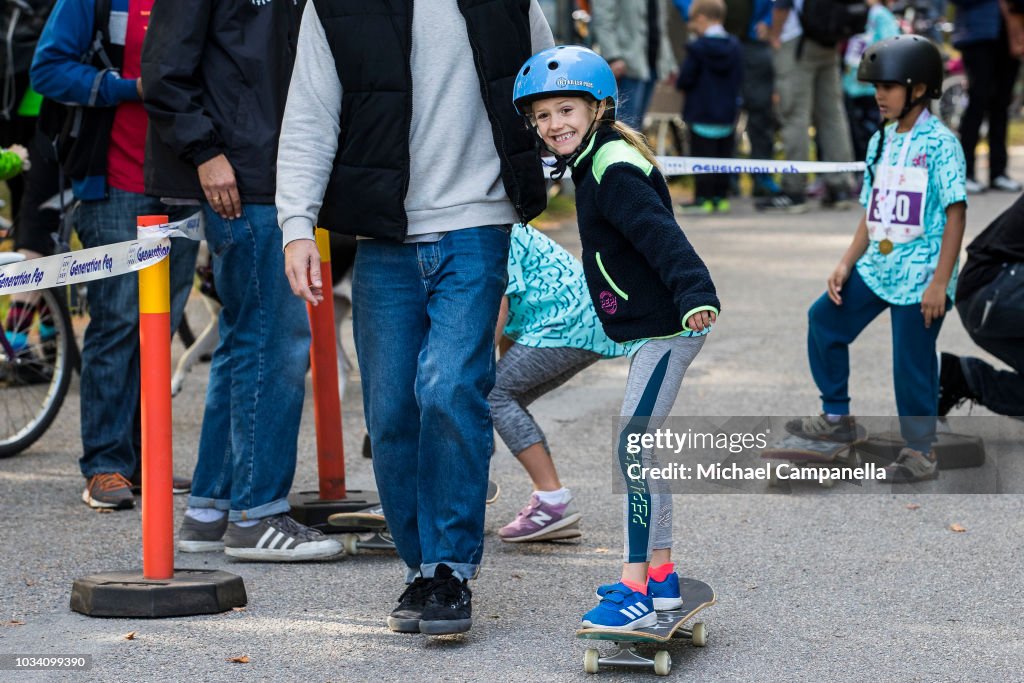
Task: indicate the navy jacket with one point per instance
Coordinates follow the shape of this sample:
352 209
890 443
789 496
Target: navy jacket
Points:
976 21
644 276
711 76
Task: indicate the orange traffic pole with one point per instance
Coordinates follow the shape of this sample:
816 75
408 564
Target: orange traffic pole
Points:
155 361
323 357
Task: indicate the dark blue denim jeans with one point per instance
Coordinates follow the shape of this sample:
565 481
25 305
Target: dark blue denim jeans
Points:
110 352
258 373
424 317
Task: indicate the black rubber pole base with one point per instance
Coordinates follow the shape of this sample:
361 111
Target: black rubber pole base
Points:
128 594
308 509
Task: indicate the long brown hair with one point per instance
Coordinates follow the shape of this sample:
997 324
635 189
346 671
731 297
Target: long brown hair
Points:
636 139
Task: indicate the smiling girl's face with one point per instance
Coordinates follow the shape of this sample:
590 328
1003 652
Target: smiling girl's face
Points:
562 122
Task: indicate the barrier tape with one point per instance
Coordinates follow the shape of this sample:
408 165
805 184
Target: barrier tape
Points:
151 246
675 166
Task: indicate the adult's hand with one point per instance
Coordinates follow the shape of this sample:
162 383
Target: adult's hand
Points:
618 67
218 181
302 267
138 87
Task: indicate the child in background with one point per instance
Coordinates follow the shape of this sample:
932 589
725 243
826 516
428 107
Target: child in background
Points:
547 313
861 108
648 286
711 76
902 258
13 161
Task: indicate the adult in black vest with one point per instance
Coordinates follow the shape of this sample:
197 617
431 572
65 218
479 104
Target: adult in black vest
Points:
215 75
400 126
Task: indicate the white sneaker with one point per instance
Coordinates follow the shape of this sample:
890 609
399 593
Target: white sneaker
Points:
1005 184
973 186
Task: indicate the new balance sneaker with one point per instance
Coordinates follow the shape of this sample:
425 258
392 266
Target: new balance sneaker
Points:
621 608
202 537
973 186
911 466
108 491
839 200
821 428
278 539
665 594
953 387
784 203
406 617
449 604
540 521
1005 184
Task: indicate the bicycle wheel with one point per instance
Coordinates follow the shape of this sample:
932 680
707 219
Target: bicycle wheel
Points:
35 366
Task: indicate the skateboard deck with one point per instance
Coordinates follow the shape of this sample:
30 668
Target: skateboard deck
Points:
697 595
808 453
952 451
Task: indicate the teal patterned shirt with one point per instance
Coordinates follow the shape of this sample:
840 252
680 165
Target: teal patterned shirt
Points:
902 276
548 302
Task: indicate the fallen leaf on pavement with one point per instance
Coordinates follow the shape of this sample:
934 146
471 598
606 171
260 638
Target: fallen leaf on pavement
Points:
912 506
600 550
15 622
237 609
130 636
958 528
239 660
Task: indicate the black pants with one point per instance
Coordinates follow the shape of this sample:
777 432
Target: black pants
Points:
758 87
994 317
865 120
711 185
991 73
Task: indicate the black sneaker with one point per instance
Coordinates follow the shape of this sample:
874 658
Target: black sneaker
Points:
839 200
406 617
953 387
783 202
449 606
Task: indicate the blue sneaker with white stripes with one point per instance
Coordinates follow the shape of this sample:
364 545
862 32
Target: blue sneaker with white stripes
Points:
665 594
621 608
278 539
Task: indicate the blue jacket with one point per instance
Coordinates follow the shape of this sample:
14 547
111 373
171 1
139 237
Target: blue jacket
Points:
762 14
59 74
645 278
976 21
711 76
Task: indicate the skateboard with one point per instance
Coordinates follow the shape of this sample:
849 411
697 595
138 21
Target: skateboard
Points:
696 596
952 451
368 530
809 454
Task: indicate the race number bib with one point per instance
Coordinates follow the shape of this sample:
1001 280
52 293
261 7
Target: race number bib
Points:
896 209
855 49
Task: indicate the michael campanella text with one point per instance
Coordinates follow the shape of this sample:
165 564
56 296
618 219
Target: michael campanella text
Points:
733 472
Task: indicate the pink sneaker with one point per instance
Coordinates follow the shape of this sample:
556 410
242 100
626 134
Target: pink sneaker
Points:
539 521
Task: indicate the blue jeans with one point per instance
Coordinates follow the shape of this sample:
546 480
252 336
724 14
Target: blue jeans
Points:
258 373
424 317
634 98
832 329
110 353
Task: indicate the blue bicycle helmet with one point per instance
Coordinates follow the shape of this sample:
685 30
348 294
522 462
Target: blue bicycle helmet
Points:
564 70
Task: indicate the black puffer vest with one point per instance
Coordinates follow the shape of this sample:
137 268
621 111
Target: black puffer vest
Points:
371 41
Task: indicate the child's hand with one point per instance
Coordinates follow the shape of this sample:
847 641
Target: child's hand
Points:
20 151
698 321
933 304
836 281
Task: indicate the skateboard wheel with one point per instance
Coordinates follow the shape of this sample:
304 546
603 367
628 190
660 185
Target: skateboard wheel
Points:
700 634
773 481
662 663
590 661
351 543
828 483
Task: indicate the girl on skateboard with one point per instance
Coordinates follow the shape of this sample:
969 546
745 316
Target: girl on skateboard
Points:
902 258
650 289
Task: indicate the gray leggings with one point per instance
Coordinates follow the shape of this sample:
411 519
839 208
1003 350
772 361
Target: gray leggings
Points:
524 374
655 376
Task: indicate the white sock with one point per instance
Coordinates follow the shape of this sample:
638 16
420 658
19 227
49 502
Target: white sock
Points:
247 523
205 514
834 419
559 497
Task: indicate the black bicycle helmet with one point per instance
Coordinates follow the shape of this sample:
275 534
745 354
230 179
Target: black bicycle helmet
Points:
905 59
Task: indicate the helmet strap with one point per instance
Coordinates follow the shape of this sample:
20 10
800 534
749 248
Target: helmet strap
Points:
564 161
909 102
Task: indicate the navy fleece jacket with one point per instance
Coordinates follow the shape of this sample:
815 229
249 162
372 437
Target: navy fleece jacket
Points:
644 276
